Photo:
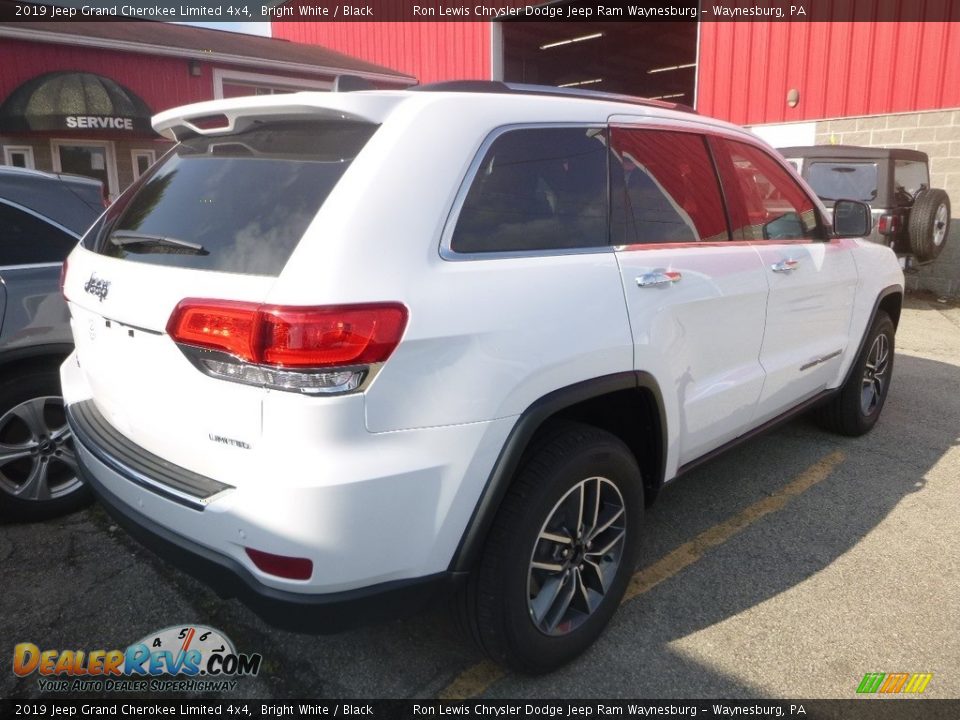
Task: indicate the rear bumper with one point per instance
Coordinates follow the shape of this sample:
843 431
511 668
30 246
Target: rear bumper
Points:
326 612
371 511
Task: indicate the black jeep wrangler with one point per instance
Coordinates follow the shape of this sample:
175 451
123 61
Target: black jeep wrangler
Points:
908 215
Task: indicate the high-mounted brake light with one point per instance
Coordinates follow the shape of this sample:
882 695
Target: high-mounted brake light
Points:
307 349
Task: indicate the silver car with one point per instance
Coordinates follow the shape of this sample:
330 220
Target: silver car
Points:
42 217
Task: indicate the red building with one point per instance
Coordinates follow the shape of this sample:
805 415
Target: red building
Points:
78 97
877 72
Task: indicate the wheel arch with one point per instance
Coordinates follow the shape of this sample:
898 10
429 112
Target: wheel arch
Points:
629 405
890 301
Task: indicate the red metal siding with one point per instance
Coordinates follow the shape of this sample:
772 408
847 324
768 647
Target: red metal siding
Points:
430 51
161 82
841 69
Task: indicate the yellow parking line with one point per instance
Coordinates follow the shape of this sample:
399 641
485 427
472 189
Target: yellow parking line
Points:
472 681
476 679
688 553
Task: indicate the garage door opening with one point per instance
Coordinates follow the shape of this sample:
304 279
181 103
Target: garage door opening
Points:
653 60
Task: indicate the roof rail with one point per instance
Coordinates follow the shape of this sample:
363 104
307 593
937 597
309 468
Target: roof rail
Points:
495 86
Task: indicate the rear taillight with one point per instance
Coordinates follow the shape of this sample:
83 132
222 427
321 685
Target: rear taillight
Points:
330 336
226 326
888 224
306 349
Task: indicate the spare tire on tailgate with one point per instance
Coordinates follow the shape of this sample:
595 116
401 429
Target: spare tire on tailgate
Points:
929 223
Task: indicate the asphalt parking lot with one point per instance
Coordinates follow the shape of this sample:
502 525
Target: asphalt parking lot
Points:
789 567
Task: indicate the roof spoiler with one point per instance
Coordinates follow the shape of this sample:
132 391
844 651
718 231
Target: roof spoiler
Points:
220 117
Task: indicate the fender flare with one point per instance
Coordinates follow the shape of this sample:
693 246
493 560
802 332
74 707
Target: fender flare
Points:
881 296
523 431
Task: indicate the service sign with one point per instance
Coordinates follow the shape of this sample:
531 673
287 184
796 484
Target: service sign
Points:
99 123
80 124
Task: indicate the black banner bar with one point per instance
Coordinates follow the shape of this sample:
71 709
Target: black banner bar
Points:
479 10
857 709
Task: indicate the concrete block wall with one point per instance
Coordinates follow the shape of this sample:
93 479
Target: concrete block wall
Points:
937 133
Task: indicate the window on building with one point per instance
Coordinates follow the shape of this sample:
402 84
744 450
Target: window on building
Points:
664 189
234 83
142 160
770 204
89 158
237 89
18 156
26 239
537 189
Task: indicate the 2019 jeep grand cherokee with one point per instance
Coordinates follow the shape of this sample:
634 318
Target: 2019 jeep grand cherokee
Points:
349 351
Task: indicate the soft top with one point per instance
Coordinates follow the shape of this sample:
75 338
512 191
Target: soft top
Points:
852 152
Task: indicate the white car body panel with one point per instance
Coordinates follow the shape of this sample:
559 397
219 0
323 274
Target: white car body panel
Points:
365 508
685 335
808 321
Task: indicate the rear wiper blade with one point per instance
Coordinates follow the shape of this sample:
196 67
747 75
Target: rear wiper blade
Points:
142 242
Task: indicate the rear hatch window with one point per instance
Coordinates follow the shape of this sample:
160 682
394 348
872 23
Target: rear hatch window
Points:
233 203
843 180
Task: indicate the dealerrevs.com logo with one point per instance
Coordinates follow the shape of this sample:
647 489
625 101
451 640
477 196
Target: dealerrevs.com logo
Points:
181 658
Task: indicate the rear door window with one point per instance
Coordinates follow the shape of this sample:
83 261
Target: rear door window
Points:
664 189
27 240
766 202
537 189
234 203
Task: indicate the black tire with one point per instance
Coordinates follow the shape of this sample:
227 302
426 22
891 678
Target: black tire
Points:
576 466
38 477
929 224
851 412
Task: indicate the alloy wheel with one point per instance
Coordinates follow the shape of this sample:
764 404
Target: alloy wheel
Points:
576 556
875 374
940 225
37 457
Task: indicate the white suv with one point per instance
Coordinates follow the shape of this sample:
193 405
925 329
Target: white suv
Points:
344 353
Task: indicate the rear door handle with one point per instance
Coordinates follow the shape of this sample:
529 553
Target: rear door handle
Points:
785 266
659 278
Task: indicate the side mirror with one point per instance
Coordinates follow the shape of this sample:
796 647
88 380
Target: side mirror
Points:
852 219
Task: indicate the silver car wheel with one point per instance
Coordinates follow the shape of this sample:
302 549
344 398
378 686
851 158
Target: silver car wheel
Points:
875 374
576 556
940 225
37 460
